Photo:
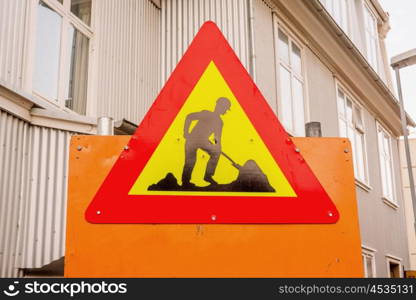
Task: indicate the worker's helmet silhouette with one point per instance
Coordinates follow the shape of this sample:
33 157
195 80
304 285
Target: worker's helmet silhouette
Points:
223 104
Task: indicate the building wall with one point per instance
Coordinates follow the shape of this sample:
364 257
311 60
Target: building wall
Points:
408 205
33 161
321 94
383 226
127 65
12 143
387 237
264 52
12 42
138 45
182 19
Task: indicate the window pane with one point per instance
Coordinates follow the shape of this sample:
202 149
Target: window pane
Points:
364 264
368 41
82 9
344 15
373 54
371 38
342 128
349 112
366 17
394 269
382 162
351 136
339 11
369 265
389 171
359 153
384 177
283 47
341 103
370 22
386 145
386 164
296 60
358 118
76 89
380 136
298 108
48 44
389 179
286 98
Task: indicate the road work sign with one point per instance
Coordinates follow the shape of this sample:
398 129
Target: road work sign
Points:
211 150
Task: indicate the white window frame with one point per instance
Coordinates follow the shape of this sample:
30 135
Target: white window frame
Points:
366 182
68 19
347 28
277 25
396 260
376 65
391 201
367 252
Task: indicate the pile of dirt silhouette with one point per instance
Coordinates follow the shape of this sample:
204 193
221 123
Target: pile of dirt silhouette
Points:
250 179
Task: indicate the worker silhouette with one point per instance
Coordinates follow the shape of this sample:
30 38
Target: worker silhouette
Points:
208 123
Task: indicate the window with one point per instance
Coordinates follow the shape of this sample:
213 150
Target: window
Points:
394 267
386 163
371 37
62 52
48 47
82 9
291 105
369 262
351 125
339 11
76 91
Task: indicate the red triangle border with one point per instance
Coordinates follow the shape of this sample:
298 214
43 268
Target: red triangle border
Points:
112 204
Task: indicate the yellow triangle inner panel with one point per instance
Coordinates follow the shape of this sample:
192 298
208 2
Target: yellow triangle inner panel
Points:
239 140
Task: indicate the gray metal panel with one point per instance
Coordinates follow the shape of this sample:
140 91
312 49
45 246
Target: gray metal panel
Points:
264 51
182 19
127 43
45 197
12 33
33 164
128 46
321 94
12 140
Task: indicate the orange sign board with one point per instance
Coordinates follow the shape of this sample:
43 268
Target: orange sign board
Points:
212 250
211 150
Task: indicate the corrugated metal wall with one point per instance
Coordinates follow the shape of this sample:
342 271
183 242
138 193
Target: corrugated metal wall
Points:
128 69
33 164
12 26
182 19
264 50
13 133
133 35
